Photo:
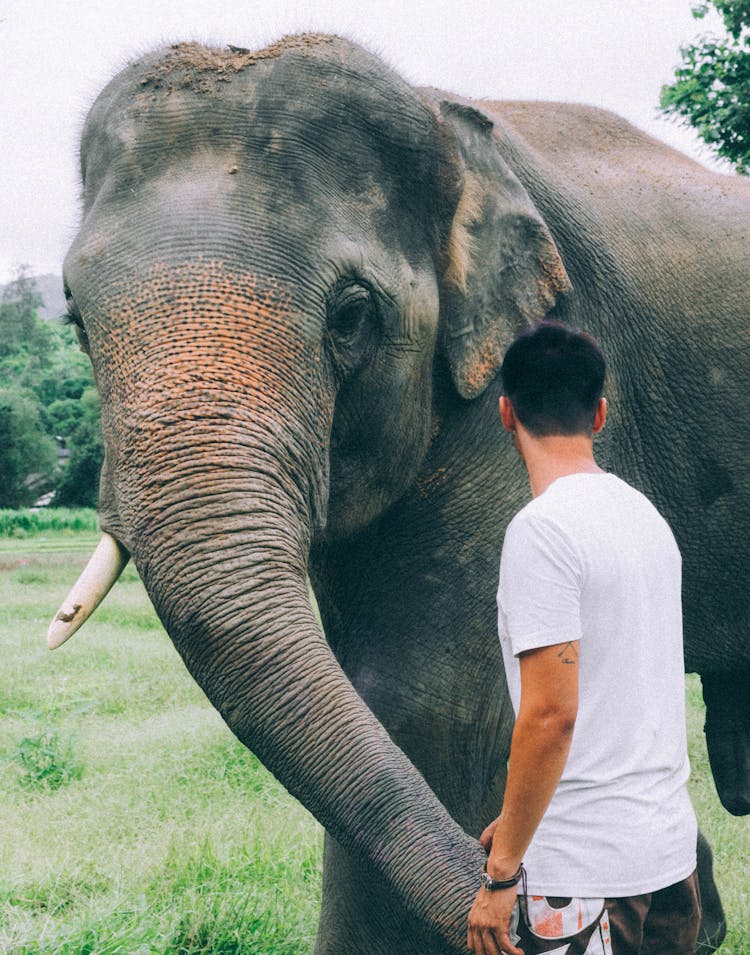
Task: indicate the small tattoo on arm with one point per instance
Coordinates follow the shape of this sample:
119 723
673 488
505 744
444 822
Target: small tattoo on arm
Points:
568 654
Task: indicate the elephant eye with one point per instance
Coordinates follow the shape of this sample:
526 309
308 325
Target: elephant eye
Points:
352 323
348 310
73 317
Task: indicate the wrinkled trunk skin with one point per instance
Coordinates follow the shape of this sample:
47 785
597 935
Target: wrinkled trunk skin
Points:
215 477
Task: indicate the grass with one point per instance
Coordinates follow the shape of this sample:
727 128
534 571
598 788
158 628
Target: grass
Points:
132 821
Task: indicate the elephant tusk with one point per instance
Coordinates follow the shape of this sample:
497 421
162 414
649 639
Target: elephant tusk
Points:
106 565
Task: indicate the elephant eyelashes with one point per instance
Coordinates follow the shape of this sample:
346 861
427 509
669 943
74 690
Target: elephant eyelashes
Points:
352 323
73 317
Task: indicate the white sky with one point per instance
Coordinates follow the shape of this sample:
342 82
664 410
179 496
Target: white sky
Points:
55 55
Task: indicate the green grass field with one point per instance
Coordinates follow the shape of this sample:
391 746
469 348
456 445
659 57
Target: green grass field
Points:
132 821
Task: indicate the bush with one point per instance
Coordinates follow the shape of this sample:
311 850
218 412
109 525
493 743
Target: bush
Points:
47 762
79 483
28 522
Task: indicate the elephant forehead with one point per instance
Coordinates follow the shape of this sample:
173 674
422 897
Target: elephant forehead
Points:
296 107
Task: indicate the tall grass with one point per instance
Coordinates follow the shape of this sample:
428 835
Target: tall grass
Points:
30 521
132 821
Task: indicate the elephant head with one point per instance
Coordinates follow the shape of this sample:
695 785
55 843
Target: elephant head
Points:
270 275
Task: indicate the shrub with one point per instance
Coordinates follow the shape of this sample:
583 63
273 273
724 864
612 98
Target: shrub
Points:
28 522
47 761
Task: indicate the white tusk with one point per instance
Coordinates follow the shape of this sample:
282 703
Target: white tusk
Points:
106 565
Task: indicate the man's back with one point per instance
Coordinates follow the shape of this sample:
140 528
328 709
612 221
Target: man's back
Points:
595 808
591 559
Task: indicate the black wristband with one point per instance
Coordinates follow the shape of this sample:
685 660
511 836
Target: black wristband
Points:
491 884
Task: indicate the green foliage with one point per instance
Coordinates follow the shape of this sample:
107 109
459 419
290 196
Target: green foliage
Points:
29 523
79 483
18 317
47 761
27 455
711 91
43 366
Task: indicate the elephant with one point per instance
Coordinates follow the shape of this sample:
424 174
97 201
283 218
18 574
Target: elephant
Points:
296 275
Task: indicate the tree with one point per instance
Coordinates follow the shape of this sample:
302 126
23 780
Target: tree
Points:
28 456
79 484
54 400
19 303
711 91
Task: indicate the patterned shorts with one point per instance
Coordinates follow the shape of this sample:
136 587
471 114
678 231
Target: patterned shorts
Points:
665 922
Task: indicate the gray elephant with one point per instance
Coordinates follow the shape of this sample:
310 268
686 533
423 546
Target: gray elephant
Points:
296 276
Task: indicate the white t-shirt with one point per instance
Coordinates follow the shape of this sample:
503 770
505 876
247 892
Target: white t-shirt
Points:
591 559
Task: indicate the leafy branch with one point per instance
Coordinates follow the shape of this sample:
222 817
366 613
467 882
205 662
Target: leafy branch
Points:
711 90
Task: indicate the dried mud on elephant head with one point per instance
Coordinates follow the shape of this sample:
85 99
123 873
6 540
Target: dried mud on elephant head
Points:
199 68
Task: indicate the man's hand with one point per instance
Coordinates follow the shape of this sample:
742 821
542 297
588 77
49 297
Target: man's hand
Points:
486 837
489 922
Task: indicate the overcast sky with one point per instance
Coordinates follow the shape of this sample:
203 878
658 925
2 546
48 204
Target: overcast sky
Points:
55 55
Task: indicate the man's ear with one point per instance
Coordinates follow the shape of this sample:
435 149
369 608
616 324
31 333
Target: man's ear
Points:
502 272
507 414
600 416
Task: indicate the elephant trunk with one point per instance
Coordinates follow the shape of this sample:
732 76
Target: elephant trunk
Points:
231 591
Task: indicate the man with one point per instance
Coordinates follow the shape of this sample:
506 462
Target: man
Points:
594 851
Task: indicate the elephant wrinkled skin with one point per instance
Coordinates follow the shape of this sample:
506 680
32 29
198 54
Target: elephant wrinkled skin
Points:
296 276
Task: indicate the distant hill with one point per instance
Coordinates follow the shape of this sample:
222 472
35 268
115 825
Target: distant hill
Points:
51 289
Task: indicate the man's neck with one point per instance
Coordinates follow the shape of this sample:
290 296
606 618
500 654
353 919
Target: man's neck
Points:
556 456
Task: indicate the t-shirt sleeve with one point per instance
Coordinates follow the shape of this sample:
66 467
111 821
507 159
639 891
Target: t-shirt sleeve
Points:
540 585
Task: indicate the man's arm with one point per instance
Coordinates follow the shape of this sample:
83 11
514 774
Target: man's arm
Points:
539 748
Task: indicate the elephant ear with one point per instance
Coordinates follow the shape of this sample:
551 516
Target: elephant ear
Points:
502 271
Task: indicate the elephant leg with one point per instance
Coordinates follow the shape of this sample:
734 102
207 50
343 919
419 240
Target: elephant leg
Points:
728 738
359 916
713 924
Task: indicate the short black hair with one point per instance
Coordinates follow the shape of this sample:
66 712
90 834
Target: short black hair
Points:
553 377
